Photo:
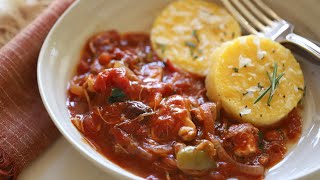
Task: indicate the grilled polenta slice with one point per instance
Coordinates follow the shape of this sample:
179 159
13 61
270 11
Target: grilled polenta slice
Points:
187 32
238 77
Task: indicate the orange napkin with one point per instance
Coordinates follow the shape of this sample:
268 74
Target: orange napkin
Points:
26 130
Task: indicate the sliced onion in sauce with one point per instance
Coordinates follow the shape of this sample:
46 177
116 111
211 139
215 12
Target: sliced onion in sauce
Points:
207 109
255 170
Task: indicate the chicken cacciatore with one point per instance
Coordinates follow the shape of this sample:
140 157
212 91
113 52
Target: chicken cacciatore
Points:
155 120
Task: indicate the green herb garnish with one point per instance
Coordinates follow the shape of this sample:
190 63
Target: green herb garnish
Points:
259 86
262 95
260 134
195 35
236 70
162 47
117 95
274 84
191 46
269 77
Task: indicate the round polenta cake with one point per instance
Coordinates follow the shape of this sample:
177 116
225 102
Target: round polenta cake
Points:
187 32
241 73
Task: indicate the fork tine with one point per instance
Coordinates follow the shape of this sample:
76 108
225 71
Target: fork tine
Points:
239 17
257 12
267 10
248 15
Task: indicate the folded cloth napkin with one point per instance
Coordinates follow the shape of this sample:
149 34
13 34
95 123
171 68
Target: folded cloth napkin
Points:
25 127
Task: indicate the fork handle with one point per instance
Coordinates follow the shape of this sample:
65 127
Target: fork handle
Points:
313 50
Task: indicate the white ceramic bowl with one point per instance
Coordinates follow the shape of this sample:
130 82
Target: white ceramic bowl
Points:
61 51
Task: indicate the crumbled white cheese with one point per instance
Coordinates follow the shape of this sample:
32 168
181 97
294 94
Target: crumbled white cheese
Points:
237 74
244 62
196 23
169 21
204 41
245 111
162 40
282 79
253 89
267 64
290 69
230 67
176 39
252 74
295 88
176 12
261 54
237 88
256 41
205 16
201 58
159 29
261 69
250 94
243 40
222 26
180 29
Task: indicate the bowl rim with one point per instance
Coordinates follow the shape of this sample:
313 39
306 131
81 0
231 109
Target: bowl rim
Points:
108 169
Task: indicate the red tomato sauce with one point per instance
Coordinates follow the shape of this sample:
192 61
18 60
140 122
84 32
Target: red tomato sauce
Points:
139 110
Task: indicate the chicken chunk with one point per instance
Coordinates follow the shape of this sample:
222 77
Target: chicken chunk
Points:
244 138
173 119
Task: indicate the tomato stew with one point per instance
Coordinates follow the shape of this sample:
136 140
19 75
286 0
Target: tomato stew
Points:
155 120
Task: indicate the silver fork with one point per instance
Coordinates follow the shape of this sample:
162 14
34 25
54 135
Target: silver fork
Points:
257 18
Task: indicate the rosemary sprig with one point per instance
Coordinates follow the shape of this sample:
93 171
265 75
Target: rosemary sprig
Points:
269 77
272 88
273 82
262 95
277 83
278 79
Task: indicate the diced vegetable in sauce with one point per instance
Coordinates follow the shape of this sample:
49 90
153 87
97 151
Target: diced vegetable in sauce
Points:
155 120
189 158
